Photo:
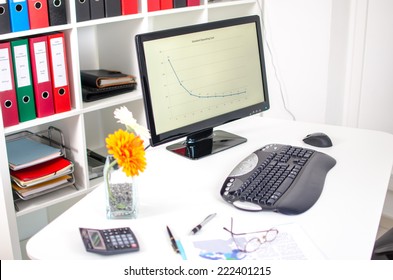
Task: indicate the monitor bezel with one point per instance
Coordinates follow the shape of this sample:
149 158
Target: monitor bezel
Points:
140 39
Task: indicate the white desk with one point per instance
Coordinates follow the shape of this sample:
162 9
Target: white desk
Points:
180 192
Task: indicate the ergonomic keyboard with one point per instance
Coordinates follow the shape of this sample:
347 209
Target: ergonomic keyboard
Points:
280 178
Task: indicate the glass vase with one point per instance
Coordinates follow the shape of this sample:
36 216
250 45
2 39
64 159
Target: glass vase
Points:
121 192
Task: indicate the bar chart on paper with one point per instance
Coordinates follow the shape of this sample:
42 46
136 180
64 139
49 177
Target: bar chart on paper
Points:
196 69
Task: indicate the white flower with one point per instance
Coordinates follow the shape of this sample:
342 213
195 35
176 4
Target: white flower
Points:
125 117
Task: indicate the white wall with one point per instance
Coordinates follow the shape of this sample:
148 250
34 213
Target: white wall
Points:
298 33
376 97
334 59
375 108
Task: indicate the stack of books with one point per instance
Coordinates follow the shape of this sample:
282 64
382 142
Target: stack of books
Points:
37 168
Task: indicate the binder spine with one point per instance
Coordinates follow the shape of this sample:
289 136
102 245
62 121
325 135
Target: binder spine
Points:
23 81
38 13
179 3
41 76
193 3
8 102
97 9
57 12
82 8
5 24
166 4
59 72
112 8
153 5
19 15
129 7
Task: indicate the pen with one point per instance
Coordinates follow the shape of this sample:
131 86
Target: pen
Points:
173 241
198 227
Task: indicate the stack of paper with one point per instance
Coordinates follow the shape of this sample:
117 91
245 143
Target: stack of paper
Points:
42 172
28 192
37 168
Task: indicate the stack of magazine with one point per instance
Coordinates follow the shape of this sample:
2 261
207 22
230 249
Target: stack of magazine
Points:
38 164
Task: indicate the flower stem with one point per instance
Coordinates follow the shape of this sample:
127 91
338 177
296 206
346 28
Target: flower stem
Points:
110 166
110 194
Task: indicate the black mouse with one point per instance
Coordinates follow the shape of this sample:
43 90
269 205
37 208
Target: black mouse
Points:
318 139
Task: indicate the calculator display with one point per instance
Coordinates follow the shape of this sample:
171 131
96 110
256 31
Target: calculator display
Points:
96 240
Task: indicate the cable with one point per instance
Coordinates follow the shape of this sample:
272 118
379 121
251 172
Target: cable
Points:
275 70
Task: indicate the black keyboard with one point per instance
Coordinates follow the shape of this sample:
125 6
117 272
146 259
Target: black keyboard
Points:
278 178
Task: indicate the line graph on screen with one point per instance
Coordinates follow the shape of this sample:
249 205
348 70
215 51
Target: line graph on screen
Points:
203 77
215 95
204 74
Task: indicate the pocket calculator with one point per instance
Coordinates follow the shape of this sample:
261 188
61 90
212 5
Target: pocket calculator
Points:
109 241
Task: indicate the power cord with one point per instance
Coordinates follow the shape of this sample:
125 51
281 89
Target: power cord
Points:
275 70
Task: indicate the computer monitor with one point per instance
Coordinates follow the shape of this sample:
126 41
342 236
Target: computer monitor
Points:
195 78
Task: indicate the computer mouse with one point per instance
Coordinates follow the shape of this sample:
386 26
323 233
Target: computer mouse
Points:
318 139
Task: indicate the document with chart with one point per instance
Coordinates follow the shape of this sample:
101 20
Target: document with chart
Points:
291 243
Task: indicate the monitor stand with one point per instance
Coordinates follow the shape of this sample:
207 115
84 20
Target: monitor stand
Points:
205 143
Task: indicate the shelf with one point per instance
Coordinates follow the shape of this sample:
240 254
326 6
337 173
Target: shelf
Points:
175 11
40 121
32 32
29 206
113 101
227 3
101 21
102 43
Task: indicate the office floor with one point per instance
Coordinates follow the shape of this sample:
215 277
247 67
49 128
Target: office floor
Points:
386 222
384 225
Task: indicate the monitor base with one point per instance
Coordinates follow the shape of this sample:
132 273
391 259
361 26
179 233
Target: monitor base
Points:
214 142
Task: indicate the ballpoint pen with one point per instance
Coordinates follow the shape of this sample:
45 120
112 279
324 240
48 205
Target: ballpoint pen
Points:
198 227
173 241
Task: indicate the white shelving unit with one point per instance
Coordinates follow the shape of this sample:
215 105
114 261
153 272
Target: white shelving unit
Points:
103 43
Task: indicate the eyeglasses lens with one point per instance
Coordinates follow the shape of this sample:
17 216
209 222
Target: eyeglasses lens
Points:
252 244
270 235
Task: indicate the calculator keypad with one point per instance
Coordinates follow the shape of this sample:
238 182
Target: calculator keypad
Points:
120 238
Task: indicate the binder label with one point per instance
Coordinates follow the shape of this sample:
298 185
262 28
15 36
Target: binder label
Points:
58 62
22 66
41 62
5 71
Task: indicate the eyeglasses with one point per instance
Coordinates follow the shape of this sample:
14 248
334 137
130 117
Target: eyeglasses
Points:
253 243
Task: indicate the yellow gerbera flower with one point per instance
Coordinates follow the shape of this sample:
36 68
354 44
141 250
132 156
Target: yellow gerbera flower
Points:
128 150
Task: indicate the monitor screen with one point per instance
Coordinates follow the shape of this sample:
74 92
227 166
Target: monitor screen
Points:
197 77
